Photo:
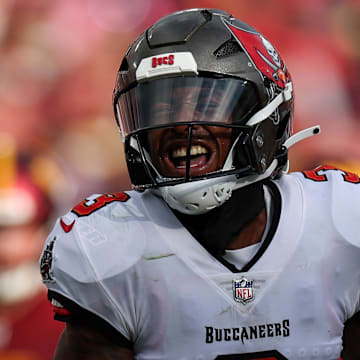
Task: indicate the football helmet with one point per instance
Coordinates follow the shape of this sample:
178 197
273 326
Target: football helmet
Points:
204 105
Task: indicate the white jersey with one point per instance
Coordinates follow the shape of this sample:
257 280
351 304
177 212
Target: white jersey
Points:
128 260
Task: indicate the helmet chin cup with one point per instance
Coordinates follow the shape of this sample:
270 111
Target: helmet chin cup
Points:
199 197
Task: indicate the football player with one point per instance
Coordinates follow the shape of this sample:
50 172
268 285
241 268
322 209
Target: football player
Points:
218 253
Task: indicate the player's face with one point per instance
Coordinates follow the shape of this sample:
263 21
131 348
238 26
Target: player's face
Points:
209 146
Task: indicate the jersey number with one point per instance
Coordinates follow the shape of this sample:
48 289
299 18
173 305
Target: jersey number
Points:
86 207
262 355
315 176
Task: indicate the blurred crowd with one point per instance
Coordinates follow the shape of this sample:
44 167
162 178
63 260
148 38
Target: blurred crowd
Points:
58 62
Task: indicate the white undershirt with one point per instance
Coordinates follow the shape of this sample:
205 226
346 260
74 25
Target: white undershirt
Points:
240 257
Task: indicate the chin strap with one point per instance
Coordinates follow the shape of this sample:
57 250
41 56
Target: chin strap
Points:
247 180
281 158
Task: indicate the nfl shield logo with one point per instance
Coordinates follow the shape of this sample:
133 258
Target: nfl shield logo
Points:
243 290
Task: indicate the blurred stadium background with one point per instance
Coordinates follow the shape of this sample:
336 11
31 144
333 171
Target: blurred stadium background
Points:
58 62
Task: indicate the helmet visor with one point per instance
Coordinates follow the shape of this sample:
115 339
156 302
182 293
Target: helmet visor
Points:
174 100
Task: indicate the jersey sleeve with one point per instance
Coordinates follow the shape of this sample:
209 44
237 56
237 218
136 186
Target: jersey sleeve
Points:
346 219
67 311
337 196
90 260
346 210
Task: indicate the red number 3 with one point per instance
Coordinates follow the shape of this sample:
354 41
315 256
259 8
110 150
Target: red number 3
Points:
86 207
315 176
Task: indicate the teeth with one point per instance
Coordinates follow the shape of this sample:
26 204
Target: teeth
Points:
195 150
198 150
180 152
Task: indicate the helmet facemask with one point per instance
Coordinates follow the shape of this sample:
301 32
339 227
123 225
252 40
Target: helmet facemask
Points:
183 129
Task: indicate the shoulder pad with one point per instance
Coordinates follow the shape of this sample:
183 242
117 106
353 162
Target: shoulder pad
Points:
346 207
81 247
342 189
92 253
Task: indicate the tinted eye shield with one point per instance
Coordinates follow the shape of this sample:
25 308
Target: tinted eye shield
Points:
180 99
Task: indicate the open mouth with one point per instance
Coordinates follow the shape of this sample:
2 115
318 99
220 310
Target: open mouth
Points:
199 156
170 148
173 162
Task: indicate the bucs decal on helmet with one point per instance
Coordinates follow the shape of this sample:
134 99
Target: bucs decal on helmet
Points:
163 60
263 55
163 64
